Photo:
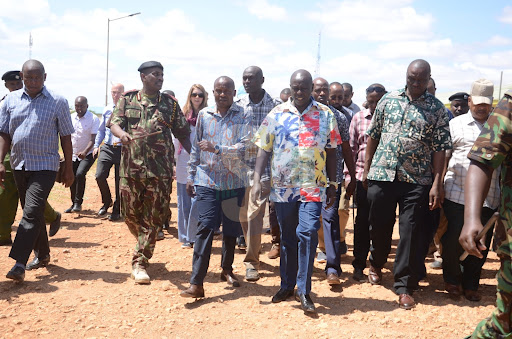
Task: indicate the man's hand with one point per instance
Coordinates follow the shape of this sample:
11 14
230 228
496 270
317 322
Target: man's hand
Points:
364 180
467 238
350 187
81 155
68 176
207 146
255 191
190 189
2 175
435 197
125 138
331 196
95 152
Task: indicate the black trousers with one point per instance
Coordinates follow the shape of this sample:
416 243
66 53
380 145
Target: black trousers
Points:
80 169
109 156
361 228
412 200
465 272
33 188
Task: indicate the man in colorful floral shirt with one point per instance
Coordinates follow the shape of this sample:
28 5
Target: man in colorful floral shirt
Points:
301 135
491 149
408 126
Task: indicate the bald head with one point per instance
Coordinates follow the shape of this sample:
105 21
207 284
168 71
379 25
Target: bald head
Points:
418 76
224 93
33 65
285 94
116 91
225 81
301 85
321 90
253 79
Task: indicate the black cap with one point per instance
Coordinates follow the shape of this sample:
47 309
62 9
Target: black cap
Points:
149 64
11 75
459 96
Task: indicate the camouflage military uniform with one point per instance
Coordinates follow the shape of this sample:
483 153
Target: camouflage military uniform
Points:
147 164
494 147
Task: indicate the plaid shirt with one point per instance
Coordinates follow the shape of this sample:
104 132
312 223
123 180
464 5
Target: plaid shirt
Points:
464 131
358 139
34 125
258 113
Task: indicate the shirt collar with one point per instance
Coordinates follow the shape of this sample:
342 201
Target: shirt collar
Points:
233 109
291 108
422 97
367 113
44 92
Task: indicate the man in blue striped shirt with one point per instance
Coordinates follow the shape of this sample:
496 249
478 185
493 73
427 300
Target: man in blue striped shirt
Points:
31 120
110 154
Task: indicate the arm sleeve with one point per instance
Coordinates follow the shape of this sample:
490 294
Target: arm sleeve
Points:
195 152
64 122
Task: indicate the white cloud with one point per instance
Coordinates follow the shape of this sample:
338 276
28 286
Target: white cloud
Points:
371 20
499 40
263 10
506 17
414 49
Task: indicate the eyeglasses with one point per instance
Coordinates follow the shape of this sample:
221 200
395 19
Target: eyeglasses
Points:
201 95
375 89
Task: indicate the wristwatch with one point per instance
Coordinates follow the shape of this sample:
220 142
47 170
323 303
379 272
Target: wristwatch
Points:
333 183
217 149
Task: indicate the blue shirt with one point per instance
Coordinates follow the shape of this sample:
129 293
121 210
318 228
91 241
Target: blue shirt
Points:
232 136
104 133
34 125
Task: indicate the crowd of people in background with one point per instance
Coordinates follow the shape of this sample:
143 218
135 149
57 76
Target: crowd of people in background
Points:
296 159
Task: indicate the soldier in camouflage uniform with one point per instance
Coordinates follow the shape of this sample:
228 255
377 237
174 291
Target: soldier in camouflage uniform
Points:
492 148
144 120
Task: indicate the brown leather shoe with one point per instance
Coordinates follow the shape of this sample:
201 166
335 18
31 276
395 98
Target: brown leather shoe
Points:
194 291
230 278
454 291
406 301
375 275
472 295
332 279
274 252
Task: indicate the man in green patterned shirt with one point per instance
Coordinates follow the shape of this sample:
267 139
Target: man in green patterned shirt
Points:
408 126
492 149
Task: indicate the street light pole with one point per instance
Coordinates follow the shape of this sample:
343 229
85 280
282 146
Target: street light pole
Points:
108 48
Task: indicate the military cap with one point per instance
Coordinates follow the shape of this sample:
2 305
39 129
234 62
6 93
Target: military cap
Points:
459 96
149 64
11 75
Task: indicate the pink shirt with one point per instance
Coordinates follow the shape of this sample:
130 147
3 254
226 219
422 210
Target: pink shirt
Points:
358 139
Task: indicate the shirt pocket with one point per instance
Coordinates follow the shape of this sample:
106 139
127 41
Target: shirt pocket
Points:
133 115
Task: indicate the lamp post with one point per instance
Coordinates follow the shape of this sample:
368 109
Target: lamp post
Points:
108 45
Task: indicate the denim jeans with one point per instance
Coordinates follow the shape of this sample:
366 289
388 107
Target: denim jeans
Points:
299 223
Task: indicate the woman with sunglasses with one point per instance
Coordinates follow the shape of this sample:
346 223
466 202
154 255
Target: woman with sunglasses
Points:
197 99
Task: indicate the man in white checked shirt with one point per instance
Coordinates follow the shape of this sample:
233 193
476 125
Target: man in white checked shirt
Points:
463 277
31 120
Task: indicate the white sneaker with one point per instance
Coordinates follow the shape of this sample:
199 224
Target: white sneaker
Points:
140 275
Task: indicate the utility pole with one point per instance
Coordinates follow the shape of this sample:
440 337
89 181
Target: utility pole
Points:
30 42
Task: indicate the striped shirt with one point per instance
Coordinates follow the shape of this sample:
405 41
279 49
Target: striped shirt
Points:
258 112
464 130
358 139
34 125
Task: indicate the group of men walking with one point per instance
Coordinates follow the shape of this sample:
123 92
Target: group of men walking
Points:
298 154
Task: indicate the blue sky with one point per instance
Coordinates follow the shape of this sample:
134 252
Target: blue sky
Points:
362 42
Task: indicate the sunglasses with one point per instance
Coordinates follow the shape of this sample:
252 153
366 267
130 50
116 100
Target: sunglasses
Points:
375 89
201 95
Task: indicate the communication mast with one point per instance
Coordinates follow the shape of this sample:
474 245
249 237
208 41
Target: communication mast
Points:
30 46
317 67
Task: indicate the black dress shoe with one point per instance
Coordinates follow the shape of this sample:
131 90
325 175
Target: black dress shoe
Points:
69 210
103 210
305 302
55 225
37 263
230 278
282 295
77 208
114 217
16 273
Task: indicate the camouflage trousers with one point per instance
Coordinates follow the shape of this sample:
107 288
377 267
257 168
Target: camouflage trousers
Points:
499 324
145 207
9 205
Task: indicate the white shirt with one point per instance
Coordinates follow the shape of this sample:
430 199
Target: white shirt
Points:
181 156
464 130
84 128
